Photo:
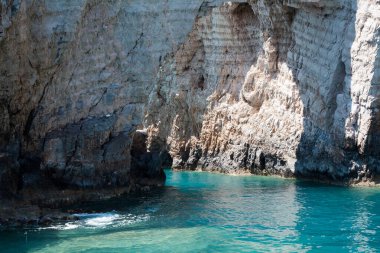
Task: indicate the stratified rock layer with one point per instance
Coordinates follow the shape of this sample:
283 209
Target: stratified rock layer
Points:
275 87
266 86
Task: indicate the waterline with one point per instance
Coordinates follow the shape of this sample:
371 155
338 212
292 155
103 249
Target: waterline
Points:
208 212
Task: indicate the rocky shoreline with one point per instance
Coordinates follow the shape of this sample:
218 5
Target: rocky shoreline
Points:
31 217
35 212
15 215
96 97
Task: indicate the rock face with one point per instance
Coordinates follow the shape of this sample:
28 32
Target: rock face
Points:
266 86
275 87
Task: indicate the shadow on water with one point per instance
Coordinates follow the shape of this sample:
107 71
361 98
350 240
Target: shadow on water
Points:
131 213
139 212
324 131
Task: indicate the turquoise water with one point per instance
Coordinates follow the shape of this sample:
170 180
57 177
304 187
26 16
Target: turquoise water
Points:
204 212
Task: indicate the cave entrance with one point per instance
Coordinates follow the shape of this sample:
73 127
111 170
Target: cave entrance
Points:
147 165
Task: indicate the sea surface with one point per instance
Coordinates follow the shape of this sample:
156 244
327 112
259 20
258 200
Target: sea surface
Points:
205 212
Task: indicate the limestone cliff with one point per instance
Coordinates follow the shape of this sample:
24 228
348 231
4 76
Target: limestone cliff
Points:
95 94
274 87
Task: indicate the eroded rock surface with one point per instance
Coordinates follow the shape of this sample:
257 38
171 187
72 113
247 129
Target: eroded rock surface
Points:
274 87
265 86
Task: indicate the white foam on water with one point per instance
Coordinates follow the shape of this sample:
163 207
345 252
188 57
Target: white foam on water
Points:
93 215
130 219
100 220
67 226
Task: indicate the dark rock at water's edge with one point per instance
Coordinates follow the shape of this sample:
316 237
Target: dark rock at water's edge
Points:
32 189
31 216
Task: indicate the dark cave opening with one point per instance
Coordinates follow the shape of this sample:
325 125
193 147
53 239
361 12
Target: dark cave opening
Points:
147 164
